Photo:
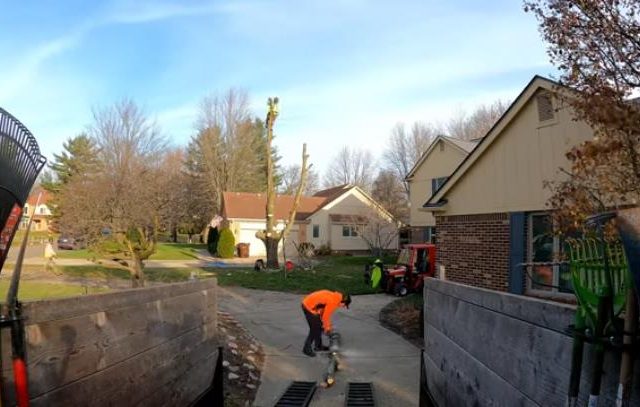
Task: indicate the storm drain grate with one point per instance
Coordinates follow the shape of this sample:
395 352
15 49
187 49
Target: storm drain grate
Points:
360 395
298 394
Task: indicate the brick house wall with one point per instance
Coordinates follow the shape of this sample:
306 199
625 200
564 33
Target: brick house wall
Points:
474 249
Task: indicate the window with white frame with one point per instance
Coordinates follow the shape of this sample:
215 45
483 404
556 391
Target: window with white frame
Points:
545 251
349 231
316 231
436 183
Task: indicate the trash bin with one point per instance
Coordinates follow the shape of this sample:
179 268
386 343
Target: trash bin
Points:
243 249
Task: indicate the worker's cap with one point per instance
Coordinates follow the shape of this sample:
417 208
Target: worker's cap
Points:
346 300
377 261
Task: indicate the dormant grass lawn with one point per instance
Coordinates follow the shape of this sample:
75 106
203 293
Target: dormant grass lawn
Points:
164 251
341 273
33 290
102 273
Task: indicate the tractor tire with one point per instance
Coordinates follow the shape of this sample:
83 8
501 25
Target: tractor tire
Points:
401 290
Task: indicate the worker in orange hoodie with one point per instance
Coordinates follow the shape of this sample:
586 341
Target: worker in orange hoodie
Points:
318 307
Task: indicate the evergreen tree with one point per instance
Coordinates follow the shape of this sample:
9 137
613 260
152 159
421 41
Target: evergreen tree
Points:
226 244
78 157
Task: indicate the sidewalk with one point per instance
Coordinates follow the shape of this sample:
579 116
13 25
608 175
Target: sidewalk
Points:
204 260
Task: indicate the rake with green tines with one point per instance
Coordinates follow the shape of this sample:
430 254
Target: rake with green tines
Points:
594 280
600 278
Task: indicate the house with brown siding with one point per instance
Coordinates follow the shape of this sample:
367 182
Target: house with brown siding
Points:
491 214
435 165
335 218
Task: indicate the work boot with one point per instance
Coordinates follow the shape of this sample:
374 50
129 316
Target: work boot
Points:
308 352
321 348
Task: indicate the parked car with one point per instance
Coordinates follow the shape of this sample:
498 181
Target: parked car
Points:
69 243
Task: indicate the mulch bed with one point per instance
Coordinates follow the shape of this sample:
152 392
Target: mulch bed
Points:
243 358
403 318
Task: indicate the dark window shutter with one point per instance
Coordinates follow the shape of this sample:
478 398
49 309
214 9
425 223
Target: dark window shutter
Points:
434 185
516 252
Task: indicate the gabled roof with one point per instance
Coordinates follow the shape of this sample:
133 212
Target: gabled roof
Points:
527 93
334 192
33 197
466 145
247 205
463 146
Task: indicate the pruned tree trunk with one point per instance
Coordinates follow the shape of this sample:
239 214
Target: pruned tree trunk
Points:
137 274
271 236
272 252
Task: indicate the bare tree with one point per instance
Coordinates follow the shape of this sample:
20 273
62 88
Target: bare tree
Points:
377 229
477 124
117 208
351 166
227 153
406 147
172 200
290 179
389 192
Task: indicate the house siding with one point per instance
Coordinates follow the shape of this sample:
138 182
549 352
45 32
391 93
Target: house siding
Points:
510 175
244 231
331 232
439 163
474 249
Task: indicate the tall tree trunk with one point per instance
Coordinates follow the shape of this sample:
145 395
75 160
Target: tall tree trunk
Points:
272 253
137 273
270 236
174 234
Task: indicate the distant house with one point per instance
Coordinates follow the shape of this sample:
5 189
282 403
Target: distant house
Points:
41 213
333 218
491 214
433 168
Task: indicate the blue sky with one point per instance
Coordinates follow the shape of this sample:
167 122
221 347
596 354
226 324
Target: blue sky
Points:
345 70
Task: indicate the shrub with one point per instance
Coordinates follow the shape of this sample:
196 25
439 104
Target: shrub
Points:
323 250
226 244
306 249
212 241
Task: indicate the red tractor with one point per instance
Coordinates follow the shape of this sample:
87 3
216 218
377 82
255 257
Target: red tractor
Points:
415 262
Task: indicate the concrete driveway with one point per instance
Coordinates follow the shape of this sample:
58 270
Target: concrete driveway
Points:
370 352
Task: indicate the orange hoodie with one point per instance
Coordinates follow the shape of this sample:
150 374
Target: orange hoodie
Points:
323 303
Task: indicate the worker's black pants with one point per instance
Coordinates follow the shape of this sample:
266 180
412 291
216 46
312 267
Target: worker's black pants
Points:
315 329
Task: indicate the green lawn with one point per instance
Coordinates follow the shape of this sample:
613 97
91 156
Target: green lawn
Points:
35 236
74 254
342 273
164 251
177 251
99 273
31 290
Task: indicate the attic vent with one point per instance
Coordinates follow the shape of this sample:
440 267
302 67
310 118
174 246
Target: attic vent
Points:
441 146
545 107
